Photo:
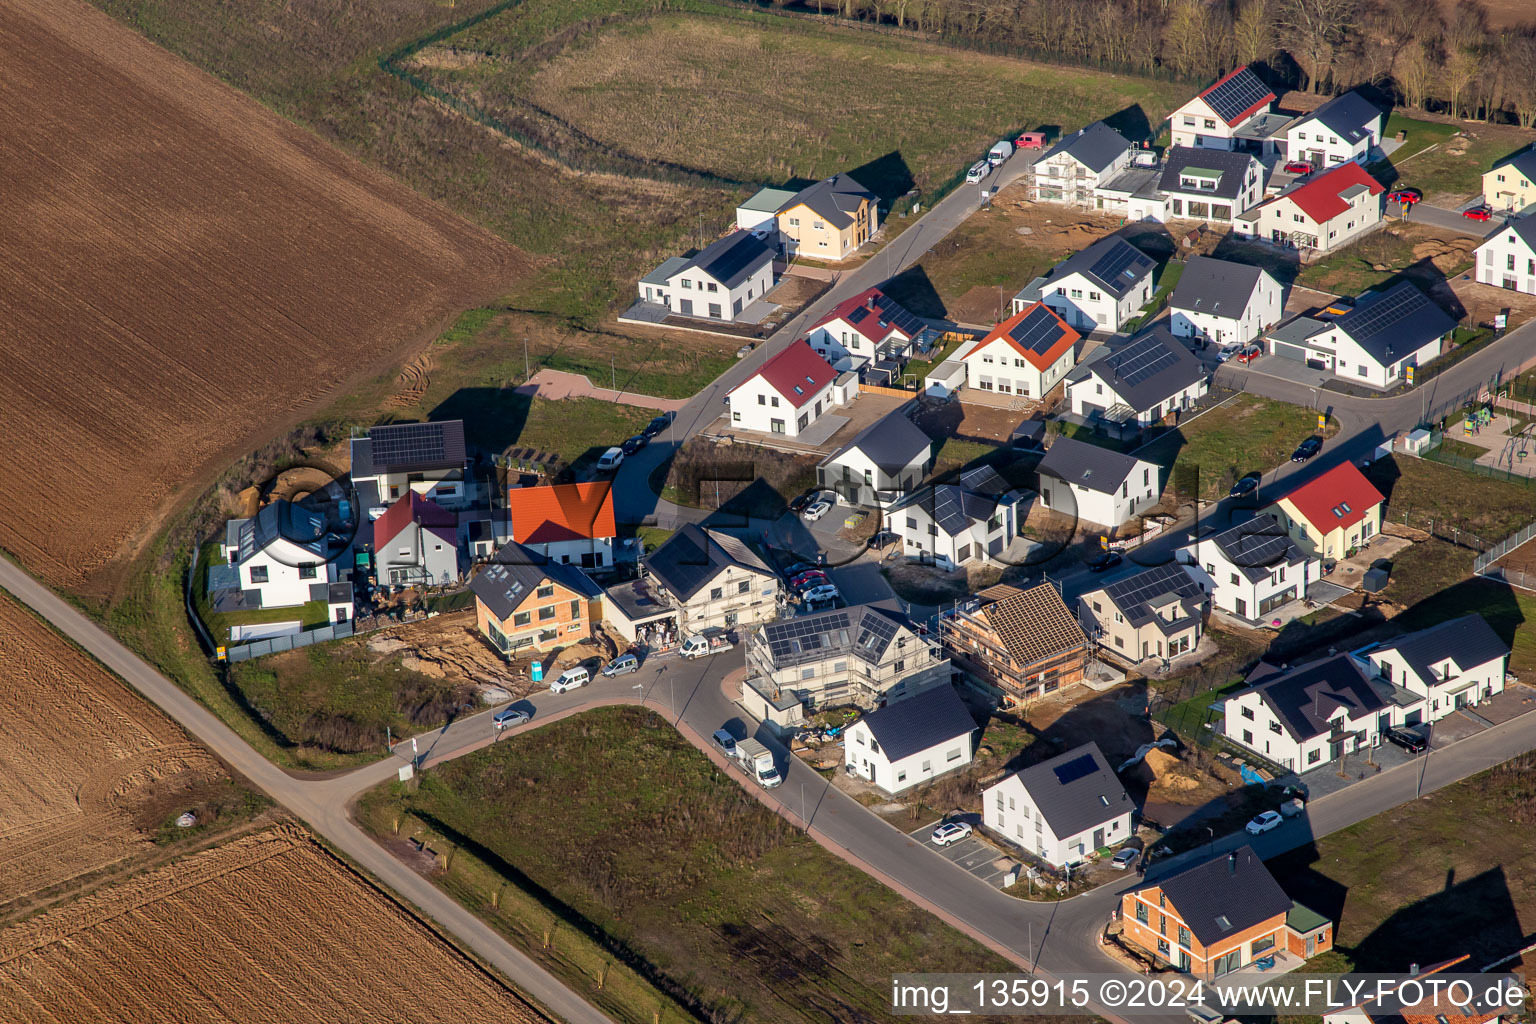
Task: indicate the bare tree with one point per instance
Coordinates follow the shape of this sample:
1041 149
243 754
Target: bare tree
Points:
1521 69
1461 67
1417 70
1186 37
1254 32
1314 32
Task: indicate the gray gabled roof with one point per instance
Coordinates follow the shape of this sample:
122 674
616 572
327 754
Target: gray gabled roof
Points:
1076 791
693 557
1297 330
892 443
1086 465
1148 369
1218 287
936 715
1258 547
1095 147
1303 698
1139 595
1232 167
299 525
1112 263
1523 161
1468 641
1391 324
516 572
863 630
1349 116
732 259
836 199
1225 895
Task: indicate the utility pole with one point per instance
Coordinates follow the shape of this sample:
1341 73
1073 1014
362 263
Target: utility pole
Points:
526 371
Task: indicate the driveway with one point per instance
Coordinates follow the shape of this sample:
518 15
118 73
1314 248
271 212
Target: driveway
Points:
971 854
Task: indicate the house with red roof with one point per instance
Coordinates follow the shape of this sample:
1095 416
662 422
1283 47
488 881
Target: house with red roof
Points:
1323 213
1332 515
416 541
1026 355
790 392
567 523
869 326
1215 118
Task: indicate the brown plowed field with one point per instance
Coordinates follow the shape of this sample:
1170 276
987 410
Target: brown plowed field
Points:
268 928
85 763
183 274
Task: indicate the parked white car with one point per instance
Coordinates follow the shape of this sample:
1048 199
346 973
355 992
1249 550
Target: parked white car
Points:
978 171
816 510
951 832
610 460
826 593
570 679
1263 823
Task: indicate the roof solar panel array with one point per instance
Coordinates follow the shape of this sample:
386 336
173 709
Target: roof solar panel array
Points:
1116 260
1038 331
1077 768
1234 97
1142 360
409 444
1144 587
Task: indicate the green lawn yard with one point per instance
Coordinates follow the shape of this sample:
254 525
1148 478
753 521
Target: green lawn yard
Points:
1449 169
1246 435
1423 489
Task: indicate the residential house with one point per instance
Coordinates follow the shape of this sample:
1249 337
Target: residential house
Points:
426 458
1323 213
1510 184
869 327
1220 915
1332 515
1212 185
1347 127
1214 118
526 602
912 741
1099 288
280 558
1433 1000
971 522
1507 258
786 395
830 219
885 462
566 522
1079 163
1309 716
1156 613
1456 664
862 656
1061 810
417 542
716 283
1096 485
1223 302
1378 340
1252 568
714 580
760 214
1138 381
1016 644
1027 354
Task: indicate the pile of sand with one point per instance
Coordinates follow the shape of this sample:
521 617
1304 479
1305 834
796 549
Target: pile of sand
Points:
1446 254
1169 774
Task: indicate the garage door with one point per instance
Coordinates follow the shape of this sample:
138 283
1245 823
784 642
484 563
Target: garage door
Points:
1296 352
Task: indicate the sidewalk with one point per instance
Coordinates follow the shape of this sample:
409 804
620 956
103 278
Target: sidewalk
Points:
557 384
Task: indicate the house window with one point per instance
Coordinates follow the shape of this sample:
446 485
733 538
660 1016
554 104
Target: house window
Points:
1141 912
521 618
744 587
774 401
712 287
901 776
575 609
716 593
900 666
546 613
1247 713
259 574
1248 737
927 767
1274 727
762 399
1314 756
548 591
952 756
714 311
776 426
1183 936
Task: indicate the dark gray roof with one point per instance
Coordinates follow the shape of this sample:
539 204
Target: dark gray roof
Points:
1298 329
936 715
516 572
955 508
415 447
1393 323
1139 594
1349 116
1525 225
1232 166
1148 368
1218 287
300 526
1304 697
1523 161
1112 263
835 199
1029 430
891 442
1095 147
732 259
864 631
1258 546
1468 641
1225 895
1086 465
362 458
1076 790
693 557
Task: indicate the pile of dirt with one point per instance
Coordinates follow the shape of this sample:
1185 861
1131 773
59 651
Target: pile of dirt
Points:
1168 772
1446 254
445 647
1177 781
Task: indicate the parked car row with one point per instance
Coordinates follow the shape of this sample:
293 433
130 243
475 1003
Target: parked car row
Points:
614 457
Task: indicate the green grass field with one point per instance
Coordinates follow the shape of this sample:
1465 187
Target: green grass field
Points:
1246 435
1489 507
1448 171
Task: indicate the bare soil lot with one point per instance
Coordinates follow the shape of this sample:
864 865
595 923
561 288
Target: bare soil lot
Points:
268 928
183 275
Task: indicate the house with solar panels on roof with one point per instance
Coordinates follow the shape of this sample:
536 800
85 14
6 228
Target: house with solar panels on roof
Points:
1376 340
1156 613
1061 810
525 602
1333 514
282 557
974 521
1218 116
717 283
1026 355
1322 213
912 741
1099 288
1253 568
1456 664
789 393
1137 382
1347 127
864 329
1072 170
1223 302
428 459
1304 717
1095 485
863 656
1014 644
885 462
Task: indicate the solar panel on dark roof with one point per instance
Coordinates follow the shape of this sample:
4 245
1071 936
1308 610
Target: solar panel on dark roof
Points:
1140 362
1077 768
1114 262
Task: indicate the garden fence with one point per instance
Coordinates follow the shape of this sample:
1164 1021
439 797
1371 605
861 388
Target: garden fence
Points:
278 644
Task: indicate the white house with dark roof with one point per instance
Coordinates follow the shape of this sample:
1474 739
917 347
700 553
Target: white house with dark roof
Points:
1510 184
1224 303
1385 332
885 462
426 458
1212 185
1079 163
1140 380
867 327
1507 258
280 558
1099 288
1309 716
1252 568
760 213
786 395
713 580
1027 354
717 283
1457 664
912 741
1096 485
1347 127
1061 810
1158 612
1216 117
950 525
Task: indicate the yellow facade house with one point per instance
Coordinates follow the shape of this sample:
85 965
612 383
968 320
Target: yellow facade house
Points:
1511 183
830 219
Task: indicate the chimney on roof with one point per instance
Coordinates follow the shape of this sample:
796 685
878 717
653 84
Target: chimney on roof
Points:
1413 968
1232 863
870 302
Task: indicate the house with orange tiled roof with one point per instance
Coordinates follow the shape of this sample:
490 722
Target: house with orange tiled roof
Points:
1332 515
1440 1004
1016 644
570 523
1026 355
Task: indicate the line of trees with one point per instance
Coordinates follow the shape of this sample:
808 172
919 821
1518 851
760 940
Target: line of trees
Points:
1428 58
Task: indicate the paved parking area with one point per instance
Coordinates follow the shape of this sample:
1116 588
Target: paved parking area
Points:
971 854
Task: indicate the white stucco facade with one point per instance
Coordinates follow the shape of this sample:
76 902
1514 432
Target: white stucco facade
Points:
1008 809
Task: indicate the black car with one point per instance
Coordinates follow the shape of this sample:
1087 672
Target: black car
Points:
1308 448
798 505
1244 487
656 426
635 443
1408 739
1108 560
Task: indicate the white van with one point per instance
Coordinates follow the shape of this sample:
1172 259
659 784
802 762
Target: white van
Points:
695 647
978 171
611 459
570 679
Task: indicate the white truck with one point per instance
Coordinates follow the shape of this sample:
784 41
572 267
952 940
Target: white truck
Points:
1000 152
757 761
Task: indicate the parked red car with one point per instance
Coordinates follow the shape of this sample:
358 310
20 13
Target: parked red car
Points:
1478 213
1299 167
1250 353
1407 196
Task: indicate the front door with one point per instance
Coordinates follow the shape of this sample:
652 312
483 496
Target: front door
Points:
685 307
1310 941
1098 839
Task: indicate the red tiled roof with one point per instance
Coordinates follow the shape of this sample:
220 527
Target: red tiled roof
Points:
412 508
1005 332
853 312
798 374
556 512
1320 199
1340 497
